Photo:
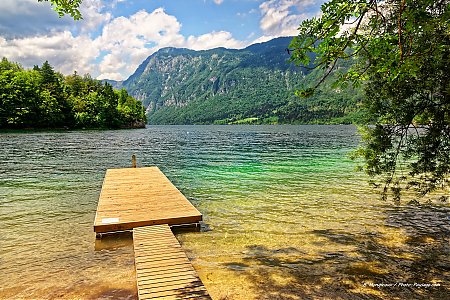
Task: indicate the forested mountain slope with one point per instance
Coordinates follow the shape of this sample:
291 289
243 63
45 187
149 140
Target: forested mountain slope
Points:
252 85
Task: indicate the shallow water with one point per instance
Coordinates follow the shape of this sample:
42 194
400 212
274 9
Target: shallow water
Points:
286 216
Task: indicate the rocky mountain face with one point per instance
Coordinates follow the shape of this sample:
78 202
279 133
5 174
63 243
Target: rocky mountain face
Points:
255 84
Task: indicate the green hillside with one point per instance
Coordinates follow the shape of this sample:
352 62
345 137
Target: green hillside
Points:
222 86
44 98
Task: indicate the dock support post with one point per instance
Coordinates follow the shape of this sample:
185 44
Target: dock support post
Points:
133 161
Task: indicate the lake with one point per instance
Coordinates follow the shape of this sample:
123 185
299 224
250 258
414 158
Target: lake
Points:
286 216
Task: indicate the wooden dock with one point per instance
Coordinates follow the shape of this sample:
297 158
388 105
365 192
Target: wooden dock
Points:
143 199
163 270
135 197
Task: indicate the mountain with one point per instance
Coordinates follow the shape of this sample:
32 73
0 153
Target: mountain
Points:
251 85
114 83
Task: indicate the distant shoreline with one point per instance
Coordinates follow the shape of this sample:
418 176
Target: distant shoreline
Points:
58 129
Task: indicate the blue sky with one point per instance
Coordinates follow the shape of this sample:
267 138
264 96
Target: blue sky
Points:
115 36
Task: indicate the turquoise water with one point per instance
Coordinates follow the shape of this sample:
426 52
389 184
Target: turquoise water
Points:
286 216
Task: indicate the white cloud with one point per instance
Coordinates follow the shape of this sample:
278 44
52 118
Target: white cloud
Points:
282 17
93 15
122 45
213 40
118 49
129 41
264 38
41 35
64 51
19 18
109 47
140 28
110 64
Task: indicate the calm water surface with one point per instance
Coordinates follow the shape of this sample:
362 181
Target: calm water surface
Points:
286 216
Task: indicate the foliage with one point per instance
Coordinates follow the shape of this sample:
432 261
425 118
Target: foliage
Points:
401 52
43 98
222 86
63 7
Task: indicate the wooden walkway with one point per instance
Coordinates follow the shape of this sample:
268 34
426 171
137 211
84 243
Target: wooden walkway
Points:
163 270
135 197
143 199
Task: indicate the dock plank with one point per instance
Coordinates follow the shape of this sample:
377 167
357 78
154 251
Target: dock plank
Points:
136 197
162 270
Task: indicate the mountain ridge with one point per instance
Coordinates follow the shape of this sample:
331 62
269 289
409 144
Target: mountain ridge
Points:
255 84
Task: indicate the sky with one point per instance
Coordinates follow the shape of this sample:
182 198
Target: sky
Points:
116 36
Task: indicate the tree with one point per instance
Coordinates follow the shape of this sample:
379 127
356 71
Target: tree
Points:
131 110
401 55
43 98
63 7
55 108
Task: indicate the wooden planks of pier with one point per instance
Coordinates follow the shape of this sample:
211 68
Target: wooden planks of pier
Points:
135 197
143 199
163 270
